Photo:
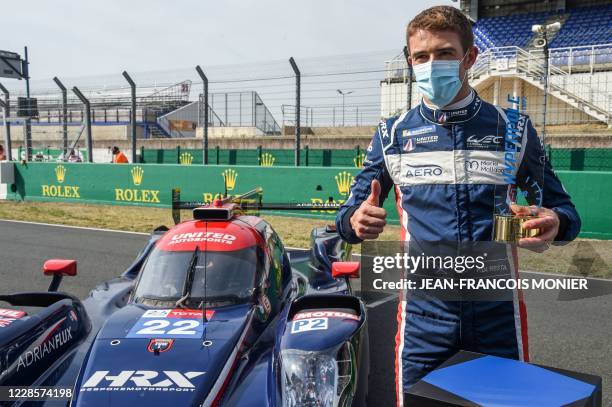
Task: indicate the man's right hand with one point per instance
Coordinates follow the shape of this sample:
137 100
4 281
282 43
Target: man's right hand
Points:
368 221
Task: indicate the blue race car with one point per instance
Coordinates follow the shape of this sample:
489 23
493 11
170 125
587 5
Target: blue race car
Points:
214 311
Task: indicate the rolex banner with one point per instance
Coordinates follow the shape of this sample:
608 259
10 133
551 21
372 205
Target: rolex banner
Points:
151 184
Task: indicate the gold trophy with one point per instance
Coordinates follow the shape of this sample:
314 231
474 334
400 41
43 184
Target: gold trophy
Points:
509 228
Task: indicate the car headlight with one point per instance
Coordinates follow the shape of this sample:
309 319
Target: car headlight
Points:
317 379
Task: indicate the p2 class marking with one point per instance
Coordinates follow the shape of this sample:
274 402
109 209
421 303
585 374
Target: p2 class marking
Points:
309 324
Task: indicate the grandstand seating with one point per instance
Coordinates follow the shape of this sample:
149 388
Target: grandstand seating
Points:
503 31
584 26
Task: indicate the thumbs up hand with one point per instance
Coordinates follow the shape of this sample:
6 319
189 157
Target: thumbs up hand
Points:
374 198
369 220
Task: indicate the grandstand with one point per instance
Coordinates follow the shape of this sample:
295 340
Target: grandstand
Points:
109 107
160 113
512 61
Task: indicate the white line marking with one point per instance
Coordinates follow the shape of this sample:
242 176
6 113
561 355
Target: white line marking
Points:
74 227
381 301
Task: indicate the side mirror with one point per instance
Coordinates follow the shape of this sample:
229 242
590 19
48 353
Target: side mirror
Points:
348 269
59 268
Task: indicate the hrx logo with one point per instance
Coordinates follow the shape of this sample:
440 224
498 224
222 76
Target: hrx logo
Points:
141 380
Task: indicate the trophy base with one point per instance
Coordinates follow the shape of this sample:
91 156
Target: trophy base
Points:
509 228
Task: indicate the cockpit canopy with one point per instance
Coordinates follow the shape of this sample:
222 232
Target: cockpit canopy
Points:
216 262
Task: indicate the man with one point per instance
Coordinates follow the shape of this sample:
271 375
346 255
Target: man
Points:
2 154
118 156
430 156
73 157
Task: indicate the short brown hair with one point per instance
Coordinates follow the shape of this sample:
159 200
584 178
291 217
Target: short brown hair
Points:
443 18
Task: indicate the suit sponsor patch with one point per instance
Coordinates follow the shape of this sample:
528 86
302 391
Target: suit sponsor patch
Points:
411 143
475 141
417 131
447 167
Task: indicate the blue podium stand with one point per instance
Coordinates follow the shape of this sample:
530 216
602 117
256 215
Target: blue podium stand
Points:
472 379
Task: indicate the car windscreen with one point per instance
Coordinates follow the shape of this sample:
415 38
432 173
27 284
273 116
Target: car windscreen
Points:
229 276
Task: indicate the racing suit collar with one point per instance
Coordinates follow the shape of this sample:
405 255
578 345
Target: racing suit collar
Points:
457 112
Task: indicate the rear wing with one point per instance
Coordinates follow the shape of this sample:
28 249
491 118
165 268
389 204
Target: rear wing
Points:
247 203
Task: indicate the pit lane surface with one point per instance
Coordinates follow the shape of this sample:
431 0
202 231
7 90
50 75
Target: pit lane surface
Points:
572 335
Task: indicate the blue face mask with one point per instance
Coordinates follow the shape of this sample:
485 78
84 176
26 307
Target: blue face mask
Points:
439 80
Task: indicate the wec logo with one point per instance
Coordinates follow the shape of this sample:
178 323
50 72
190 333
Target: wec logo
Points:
141 379
474 140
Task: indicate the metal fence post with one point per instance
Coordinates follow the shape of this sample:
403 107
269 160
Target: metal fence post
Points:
87 122
133 114
546 79
64 113
409 81
254 118
28 120
7 125
296 70
205 138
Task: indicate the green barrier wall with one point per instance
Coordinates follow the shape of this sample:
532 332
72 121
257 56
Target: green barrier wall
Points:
260 156
581 159
151 184
574 159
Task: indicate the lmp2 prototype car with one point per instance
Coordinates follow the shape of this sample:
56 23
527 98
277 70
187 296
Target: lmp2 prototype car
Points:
214 311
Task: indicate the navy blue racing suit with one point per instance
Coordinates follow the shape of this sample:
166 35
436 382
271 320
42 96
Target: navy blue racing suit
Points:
446 167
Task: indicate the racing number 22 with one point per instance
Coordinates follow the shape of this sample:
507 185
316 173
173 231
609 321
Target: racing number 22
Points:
158 327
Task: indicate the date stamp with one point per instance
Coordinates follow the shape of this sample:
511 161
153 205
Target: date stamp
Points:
41 393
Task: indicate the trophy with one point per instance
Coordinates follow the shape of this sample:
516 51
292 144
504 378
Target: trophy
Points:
508 227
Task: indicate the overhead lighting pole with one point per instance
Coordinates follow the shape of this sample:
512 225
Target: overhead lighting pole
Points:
542 32
343 93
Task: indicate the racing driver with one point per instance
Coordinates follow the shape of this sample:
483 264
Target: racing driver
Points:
430 156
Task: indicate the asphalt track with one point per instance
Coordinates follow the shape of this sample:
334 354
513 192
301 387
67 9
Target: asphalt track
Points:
571 334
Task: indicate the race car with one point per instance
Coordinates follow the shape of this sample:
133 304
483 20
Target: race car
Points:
214 311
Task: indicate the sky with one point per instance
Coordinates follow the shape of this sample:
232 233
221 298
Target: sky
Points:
84 38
